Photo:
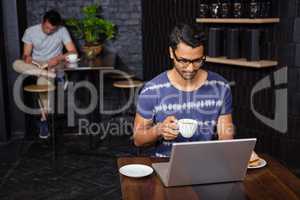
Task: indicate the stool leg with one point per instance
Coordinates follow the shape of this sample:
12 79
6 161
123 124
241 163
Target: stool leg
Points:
124 99
21 146
43 112
91 142
36 98
53 117
133 106
20 151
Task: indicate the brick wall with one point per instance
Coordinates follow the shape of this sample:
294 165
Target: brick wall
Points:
126 14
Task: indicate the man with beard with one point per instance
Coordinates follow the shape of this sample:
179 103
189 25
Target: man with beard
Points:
185 91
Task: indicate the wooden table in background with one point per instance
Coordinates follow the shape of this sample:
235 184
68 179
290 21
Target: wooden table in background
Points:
271 182
92 69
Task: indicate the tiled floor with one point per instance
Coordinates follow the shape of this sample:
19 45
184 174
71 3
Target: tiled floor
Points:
79 173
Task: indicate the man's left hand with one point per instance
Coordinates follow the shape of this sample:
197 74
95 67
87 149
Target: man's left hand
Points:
53 62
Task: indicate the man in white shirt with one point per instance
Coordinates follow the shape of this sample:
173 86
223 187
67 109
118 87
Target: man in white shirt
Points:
43 44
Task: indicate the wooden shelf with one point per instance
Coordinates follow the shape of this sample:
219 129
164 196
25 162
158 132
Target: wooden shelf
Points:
242 62
238 20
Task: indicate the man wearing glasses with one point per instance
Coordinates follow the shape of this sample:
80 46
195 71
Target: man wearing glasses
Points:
185 91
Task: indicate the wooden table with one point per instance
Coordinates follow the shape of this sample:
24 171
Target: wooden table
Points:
271 182
103 62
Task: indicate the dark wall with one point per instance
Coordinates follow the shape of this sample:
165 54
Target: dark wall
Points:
4 136
158 19
290 46
11 44
126 14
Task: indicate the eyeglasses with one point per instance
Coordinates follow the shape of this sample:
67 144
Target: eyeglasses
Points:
197 63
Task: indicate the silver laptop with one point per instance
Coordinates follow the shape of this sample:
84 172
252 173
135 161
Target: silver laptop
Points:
206 162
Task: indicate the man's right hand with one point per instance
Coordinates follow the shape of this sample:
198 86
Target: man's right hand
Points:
168 129
28 59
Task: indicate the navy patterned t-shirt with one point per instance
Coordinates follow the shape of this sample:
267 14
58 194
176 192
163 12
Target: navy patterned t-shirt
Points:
159 99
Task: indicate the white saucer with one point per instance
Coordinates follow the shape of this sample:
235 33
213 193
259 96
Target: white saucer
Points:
261 164
74 62
136 170
72 65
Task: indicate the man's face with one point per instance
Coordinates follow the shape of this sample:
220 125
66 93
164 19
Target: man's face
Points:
48 28
187 60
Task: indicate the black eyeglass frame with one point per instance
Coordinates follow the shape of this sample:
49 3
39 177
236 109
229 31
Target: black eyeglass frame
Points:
186 62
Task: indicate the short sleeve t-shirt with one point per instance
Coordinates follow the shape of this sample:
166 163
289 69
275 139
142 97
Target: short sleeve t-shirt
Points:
46 46
159 99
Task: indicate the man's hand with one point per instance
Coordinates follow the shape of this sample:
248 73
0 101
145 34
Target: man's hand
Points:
53 62
168 129
27 53
225 127
27 59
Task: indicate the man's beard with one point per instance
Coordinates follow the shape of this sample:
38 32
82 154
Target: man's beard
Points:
188 76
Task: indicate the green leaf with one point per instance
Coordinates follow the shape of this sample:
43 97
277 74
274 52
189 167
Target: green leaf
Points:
92 27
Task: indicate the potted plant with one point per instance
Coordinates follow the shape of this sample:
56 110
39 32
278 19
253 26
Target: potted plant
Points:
93 29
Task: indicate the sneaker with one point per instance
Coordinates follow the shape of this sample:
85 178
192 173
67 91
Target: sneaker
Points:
44 132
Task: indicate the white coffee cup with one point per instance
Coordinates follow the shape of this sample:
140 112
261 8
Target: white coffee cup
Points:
187 127
72 58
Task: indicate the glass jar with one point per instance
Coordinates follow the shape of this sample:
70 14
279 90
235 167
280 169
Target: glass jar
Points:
225 8
204 9
237 8
215 9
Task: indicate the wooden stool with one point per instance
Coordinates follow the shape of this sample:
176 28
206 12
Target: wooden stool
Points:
121 74
39 89
125 86
121 77
36 90
128 84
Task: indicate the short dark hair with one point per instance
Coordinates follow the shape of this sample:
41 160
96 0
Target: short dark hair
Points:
53 17
187 34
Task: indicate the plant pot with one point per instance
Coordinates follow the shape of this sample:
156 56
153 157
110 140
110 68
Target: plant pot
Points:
91 51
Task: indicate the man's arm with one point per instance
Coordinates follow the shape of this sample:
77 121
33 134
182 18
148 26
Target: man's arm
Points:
27 50
70 47
225 127
146 133
27 67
